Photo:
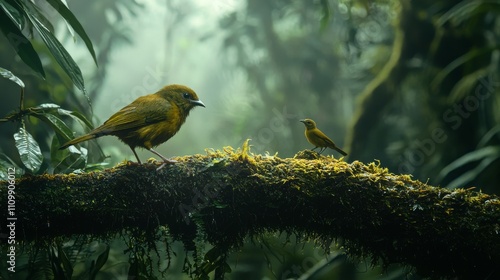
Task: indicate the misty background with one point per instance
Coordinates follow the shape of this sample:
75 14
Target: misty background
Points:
261 66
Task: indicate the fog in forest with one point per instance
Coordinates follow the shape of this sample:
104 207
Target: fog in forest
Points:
412 86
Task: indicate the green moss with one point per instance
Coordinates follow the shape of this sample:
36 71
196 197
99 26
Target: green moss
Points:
226 195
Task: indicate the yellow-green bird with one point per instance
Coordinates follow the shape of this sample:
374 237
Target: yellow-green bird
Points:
318 138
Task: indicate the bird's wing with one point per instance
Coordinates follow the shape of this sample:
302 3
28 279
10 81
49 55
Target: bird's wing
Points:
135 115
327 141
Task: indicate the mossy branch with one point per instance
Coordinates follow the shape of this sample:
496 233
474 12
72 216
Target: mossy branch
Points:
228 195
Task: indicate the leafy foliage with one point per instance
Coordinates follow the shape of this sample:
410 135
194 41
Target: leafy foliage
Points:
22 13
28 149
49 113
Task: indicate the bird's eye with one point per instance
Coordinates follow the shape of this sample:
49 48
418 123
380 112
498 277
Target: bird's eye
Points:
186 95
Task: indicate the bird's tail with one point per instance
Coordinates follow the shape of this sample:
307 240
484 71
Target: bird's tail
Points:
339 150
78 140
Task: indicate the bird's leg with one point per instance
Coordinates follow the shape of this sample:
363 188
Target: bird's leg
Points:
321 150
314 148
136 156
165 160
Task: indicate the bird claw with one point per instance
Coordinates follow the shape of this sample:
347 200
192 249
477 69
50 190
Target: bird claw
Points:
165 162
133 163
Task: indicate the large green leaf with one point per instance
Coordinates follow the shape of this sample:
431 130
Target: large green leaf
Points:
467 57
488 136
465 178
44 106
467 9
466 84
77 116
29 150
39 14
10 28
56 123
477 155
8 166
326 13
95 266
66 263
8 75
65 161
15 13
70 18
58 51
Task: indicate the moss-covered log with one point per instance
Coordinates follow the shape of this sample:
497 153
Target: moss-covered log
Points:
228 195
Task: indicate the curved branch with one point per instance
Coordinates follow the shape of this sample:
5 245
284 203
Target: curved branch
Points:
228 195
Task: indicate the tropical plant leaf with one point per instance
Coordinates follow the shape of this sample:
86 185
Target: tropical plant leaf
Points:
35 11
488 136
99 263
465 10
79 117
45 106
6 167
28 149
56 123
15 13
8 75
465 178
72 21
66 263
21 44
466 84
458 62
96 166
459 12
59 52
65 161
326 13
480 154
55 263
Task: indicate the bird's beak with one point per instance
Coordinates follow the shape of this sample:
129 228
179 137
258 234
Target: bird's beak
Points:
302 121
197 103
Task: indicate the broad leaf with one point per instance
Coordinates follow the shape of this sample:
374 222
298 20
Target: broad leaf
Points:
19 42
8 167
8 75
326 14
466 177
466 84
79 117
57 124
99 263
29 150
34 10
66 263
465 10
45 106
70 18
67 160
469 56
488 136
477 155
15 13
59 52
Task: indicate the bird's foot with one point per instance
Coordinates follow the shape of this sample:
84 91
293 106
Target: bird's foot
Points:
133 163
165 162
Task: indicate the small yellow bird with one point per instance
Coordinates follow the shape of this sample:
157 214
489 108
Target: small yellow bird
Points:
318 138
149 120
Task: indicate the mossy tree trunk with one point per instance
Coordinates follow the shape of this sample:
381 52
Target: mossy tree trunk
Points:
229 195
